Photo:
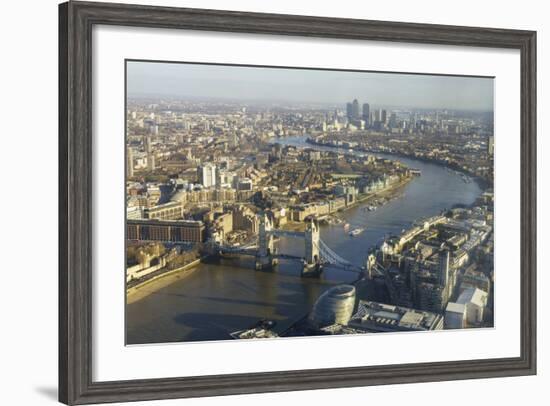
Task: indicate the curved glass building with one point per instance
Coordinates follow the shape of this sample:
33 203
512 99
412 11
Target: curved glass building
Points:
335 306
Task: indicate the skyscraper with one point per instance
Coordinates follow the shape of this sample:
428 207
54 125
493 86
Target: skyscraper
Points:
129 162
366 113
355 110
349 111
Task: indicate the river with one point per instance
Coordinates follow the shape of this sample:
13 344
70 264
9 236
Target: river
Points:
229 295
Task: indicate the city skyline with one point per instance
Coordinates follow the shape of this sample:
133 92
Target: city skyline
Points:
292 219
295 85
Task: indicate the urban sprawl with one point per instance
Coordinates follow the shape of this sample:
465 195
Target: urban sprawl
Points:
207 179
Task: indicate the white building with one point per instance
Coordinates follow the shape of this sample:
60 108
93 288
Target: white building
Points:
455 316
474 301
207 175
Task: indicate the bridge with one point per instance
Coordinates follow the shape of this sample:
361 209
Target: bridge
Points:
316 252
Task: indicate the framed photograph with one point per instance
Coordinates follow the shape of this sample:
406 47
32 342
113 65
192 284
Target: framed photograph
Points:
260 202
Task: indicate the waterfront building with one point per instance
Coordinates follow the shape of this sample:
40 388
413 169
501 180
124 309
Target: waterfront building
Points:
303 211
245 219
335 306
223 224
376 317
166 230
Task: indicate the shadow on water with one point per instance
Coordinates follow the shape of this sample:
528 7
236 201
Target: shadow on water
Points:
212 326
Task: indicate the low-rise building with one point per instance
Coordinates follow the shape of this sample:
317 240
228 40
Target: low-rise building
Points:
166 211
475 301
455 316
378 317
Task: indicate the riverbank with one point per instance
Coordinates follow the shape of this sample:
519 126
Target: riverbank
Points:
151 285
388 193
481 182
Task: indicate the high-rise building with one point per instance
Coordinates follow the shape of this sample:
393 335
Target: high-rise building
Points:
129 162
378 115
207 175
383 116
355 110
349 111
491 145
366 113
393 120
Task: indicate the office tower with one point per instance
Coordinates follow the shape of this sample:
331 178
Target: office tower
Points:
355 109
413 121
393 120
349 111
377 115
207 175
129 162
366 113
383 116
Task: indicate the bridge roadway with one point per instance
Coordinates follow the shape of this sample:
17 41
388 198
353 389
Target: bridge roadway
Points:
328 256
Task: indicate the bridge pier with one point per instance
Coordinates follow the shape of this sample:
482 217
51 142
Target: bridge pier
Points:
266 248
266 262
312 259
312 270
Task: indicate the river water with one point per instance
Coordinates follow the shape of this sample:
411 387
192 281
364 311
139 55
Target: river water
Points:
229 295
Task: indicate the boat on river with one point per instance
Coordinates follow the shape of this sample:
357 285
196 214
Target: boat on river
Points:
356 231
262 329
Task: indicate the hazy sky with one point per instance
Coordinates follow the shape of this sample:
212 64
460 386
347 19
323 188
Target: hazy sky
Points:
299 85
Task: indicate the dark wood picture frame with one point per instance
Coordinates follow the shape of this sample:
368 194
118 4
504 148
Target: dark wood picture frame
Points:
76 20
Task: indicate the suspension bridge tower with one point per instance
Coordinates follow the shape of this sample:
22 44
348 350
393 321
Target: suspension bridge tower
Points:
312 258
266 245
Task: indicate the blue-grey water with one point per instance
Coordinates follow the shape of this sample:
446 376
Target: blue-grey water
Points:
222 297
